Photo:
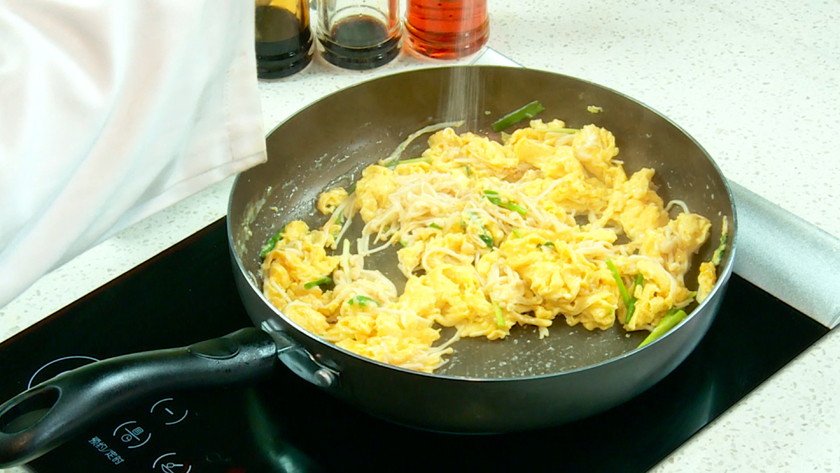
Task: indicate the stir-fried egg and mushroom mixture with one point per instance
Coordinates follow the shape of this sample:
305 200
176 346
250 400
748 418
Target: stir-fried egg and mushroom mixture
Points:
491 235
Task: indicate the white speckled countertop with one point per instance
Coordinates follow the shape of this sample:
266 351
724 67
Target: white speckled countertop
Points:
756 83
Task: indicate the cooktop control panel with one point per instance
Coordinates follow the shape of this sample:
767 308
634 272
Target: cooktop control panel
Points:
156 435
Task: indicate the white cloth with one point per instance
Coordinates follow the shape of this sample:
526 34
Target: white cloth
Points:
111 111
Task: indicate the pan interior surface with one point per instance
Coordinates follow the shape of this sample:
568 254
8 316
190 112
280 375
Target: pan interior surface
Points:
330 142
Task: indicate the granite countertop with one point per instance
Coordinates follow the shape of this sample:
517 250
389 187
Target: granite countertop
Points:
756 83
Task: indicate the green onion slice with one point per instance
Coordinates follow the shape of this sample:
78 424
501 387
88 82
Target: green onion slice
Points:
516 208
435 226
500 318
631 309
524 113
425 159
622 289
487 239
271 243
667 323
363 301
716 256
493 198
317 282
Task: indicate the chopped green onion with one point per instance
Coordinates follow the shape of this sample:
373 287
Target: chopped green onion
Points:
516 208
425 159
512 118
516 233
363 301
317 282
719 251
548 243
494 199
435 226
500 318
716 256
631 309
622 289
403 243
467 170
484 236
271 243
667 323
351 189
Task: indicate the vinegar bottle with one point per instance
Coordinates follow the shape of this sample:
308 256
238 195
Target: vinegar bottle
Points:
447 29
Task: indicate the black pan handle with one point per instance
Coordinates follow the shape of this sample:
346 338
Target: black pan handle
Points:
42 418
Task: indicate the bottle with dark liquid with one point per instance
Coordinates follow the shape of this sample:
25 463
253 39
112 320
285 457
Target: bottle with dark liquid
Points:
283 39
359 34
447 29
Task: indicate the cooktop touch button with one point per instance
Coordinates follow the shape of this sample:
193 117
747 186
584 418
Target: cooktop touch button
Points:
132 434
170 463
168 409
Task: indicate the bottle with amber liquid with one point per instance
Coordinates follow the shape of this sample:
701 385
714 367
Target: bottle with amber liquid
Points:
446 29
283 39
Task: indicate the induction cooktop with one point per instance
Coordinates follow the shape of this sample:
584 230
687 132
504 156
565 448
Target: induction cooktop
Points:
187 294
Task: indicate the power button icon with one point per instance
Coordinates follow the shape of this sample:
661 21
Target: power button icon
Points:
169 463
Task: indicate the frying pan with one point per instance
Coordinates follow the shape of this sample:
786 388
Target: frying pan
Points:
522 382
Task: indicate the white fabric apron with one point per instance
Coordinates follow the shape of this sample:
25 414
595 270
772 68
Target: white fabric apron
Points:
111 111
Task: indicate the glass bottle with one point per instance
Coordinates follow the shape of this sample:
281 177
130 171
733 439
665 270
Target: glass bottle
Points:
283 39
447 29
359 34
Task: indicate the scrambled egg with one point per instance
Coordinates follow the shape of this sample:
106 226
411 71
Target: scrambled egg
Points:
545 224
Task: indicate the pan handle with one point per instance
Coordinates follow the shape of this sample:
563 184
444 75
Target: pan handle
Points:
42 418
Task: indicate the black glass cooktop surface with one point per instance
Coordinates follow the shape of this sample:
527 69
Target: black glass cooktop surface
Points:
187 294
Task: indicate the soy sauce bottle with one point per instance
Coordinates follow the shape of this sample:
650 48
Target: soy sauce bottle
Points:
283 39
359 34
